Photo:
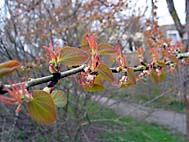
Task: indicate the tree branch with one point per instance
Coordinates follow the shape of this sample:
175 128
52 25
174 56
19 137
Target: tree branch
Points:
174 15
182 55
45 79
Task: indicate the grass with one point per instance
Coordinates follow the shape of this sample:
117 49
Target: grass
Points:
121 129
162 103
113 128
140 133
174 105
167 102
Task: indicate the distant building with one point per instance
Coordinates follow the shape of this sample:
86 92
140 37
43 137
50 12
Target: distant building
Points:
170 32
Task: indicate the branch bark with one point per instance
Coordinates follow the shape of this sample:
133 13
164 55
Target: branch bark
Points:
45 79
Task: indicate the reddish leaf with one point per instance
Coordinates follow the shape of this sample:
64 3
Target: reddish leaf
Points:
8 67
106 49
84 43
154 53
9 64
59 97
92 43
131 76
140 51
49 51
140 54
42 108
105 72
73 56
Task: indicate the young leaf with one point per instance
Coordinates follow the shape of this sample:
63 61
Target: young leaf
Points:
9 64
84 43
92 43
59 97
157 78
97 85
172 58
162 77
95 88
126 85
140 51
8 67
73 56
105 72
42 108
131 76
106 49
154 77
160 63
47 89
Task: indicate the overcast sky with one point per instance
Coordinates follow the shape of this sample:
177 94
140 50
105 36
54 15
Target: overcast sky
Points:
163 13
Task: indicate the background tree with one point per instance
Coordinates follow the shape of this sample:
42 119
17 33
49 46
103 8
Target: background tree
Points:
183 31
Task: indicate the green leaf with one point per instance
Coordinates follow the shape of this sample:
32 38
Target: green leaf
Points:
98 80
9 67
73 56
95 88
126 85
131 78
97 85
174 59
105 49
154 77
59 97
160 63
42 108
157 78
162 76
105 72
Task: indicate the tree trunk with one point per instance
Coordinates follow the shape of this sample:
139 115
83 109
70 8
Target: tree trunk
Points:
186 81
185 85
184 34
174 15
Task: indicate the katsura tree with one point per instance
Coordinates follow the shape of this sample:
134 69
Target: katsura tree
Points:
91 72
93 65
